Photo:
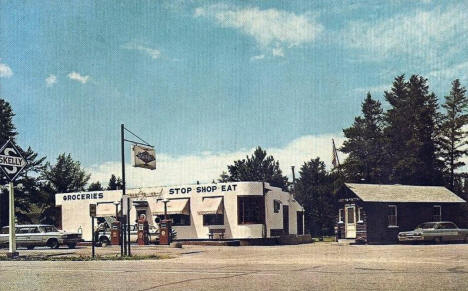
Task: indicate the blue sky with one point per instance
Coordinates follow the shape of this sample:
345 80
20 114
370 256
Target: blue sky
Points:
206 81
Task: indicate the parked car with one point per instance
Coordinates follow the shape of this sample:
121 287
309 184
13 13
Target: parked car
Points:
442 231
104 236
34 235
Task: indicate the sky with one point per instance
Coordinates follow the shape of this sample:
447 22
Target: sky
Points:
206 82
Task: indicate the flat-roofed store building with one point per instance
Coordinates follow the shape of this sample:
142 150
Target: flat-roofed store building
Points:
377 213
238 210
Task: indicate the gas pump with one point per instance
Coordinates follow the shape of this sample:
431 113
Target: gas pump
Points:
143 230
165 232
115 233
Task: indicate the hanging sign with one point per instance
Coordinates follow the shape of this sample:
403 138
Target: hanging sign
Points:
11 160
143 157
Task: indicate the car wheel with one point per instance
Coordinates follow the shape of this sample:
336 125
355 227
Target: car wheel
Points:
30 247
53 244
72 246
438 240
104 242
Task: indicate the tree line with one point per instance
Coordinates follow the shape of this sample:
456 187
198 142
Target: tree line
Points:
411 140
414 141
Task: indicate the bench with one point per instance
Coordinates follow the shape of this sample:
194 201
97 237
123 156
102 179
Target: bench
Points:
219 231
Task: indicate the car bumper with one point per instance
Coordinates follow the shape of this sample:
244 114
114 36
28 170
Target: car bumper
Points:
410 238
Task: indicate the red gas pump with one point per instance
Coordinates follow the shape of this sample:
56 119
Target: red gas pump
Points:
143 230
115 233
165 232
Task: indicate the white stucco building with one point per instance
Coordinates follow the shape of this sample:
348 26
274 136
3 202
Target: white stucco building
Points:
241 210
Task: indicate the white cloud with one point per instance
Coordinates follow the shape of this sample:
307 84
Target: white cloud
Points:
430 35
457 71
272 29
256 58
205 167
51 80
153 53
374 90
78 77
5 71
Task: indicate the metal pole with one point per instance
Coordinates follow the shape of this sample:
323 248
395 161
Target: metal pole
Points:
128 226
165 210
93 236
121 228
294 179
122 140
12 236
124 229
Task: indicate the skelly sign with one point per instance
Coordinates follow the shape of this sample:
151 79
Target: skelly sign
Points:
11 160
143 157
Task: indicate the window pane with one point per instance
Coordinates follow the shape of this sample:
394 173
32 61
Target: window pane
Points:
250 209
350 215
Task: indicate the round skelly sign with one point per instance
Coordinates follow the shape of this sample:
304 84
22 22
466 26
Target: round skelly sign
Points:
11 160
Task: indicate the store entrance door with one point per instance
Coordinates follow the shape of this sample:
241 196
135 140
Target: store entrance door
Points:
286 219
300 222
350 221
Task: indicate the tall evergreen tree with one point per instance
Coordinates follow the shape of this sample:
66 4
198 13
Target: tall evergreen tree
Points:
364 145
28 188
411 132
314 189
452 134
96 186
114 183
258 167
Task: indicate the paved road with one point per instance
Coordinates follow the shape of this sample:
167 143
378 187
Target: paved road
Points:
328 266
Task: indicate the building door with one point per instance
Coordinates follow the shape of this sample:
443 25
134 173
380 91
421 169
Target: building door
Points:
286 219
350 221
300 222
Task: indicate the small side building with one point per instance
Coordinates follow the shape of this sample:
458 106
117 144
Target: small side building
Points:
371 213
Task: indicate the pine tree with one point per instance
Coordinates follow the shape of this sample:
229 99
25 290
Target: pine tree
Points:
112 185
314 189
258 167
411 131
364 144
28 189
452 134
96 186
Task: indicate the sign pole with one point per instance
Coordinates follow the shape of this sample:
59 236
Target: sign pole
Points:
11 164
12 236
93 242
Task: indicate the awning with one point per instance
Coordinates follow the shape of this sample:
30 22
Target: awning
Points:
211 205
174 206
103 210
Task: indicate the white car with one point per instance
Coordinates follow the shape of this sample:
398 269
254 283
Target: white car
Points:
34 235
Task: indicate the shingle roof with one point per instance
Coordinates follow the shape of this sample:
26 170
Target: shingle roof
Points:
403 193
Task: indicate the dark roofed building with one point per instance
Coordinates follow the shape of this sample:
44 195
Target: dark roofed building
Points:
373 213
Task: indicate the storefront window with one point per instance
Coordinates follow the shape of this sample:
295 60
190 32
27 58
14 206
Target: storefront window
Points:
179 219
213 219
392 215
251 209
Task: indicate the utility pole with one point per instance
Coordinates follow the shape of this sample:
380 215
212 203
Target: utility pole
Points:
294 179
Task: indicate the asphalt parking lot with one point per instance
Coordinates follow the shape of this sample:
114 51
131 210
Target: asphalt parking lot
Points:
323 266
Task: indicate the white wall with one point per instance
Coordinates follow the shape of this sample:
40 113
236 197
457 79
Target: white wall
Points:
75 213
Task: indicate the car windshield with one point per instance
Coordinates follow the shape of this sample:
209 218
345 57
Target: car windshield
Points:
49 228
426 225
